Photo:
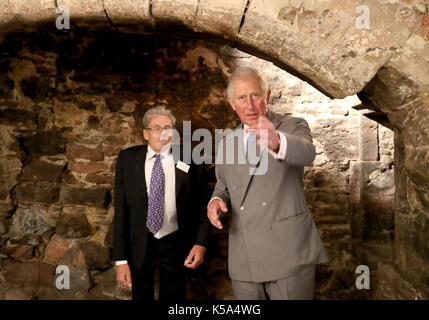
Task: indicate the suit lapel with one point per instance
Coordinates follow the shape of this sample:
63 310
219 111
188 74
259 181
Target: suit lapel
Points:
179 174
247 177
139 169
274 118
244 168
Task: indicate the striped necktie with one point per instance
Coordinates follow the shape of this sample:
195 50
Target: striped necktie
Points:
251 141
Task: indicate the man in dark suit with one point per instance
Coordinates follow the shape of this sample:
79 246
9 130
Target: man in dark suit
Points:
158 213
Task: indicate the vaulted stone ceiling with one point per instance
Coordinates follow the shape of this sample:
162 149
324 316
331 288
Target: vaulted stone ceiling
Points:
324 42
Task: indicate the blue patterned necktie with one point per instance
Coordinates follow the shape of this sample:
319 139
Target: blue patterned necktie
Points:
155 212
251 141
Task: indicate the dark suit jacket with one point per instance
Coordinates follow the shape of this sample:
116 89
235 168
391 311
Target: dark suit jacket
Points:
131 204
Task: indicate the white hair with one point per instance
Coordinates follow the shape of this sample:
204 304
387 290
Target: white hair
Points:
246 71
160 110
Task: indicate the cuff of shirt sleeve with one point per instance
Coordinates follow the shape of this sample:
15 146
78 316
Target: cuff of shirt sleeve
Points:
118 263
281 154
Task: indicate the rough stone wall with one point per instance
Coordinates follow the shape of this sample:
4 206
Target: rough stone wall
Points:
330 43
68 105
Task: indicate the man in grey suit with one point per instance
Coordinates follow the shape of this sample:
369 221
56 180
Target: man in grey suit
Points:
274 244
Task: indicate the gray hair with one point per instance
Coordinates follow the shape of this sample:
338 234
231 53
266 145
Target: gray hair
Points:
246 71
160 110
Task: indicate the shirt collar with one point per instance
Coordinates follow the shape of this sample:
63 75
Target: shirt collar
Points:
150 153
246 133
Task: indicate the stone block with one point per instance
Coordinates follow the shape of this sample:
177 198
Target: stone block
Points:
368 139
88 167
108 287
401 201
8 21
6 87
283 31
111 149
44 143
38 192
46 274
74 257
380 182
6 209
19 118
96 256
337 137
73 225
179 13
416 164
38 170
84 196
28 273
386 138
34 11
71 119
21 252
108 240
379 216
326 179
7 16
357 48
4 225
115 103
10 167
57 248
31 221
412 248
129 15
391 285
220 18
100 179
36 88
9 145
15 292
328 207
86 13
80 282
335 234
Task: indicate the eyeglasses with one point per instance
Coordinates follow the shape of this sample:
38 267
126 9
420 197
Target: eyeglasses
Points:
157 129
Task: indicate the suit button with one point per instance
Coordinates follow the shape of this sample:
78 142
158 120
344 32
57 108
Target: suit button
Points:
264 204
234 187
242 208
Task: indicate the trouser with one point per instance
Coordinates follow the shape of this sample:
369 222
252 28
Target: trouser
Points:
299 286
167 253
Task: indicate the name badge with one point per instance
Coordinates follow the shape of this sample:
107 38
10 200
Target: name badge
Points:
182 166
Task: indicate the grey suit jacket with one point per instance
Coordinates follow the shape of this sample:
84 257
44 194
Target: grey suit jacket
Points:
272 234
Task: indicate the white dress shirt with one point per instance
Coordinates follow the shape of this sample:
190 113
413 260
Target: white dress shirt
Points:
170 212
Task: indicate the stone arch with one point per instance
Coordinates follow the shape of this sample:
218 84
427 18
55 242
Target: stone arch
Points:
319 41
